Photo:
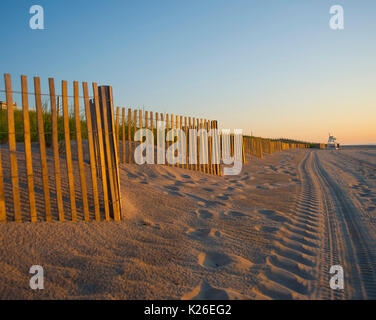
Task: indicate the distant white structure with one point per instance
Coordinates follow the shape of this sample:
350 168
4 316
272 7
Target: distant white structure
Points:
332 142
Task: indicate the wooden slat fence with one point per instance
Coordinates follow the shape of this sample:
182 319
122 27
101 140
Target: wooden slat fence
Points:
63 154
59 167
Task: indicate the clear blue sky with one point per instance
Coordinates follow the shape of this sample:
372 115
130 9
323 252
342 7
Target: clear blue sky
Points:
273 67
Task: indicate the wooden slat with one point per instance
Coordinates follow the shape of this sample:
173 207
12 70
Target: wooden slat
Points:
167 142
208 158
28 157
129 136
12 149
55 146
186 142
203 146
117 126
115 166
146 120
101 151
178 139
106 131
190 146
173 135
146 127
156 127
134 130
140 127
91 152
243 151
80 154
152 130
3 211
181 140
161 153
214 149
210 147
42 148
151 122
213 142
68 153
123 132
195 122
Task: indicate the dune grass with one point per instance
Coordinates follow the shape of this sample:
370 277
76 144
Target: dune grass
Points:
19 126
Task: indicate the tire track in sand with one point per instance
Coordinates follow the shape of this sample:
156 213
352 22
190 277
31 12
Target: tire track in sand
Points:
358 256
291 269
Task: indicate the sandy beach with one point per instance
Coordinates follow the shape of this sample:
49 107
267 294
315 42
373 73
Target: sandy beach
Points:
272 232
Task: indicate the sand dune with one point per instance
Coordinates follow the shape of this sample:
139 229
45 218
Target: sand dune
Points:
270 233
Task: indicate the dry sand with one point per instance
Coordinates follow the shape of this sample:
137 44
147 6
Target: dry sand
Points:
270 233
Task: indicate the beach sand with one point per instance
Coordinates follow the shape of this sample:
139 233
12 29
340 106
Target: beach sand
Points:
272 232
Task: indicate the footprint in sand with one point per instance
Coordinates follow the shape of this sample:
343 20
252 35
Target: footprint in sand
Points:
148 223
266 229
200 234
205 214
234 214
173 188
206 292
273 215
214 259
217 259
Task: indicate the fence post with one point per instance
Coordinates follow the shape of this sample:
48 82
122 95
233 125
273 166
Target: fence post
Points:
42 147
152 131
3 212
91 152
79 151
12 150
134 130
115 167
129 136
105 96
98 122
167 142
68 152
123 133
28 157
190 147
186 142
55 145
117 127
173 130
177 140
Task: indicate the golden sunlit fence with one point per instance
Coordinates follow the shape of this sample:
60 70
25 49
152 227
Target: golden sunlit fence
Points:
60 151
58 167
258 146
129 121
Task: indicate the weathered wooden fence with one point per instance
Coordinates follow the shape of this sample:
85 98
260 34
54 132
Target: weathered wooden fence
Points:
133 120
66 167
35 182
129 121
